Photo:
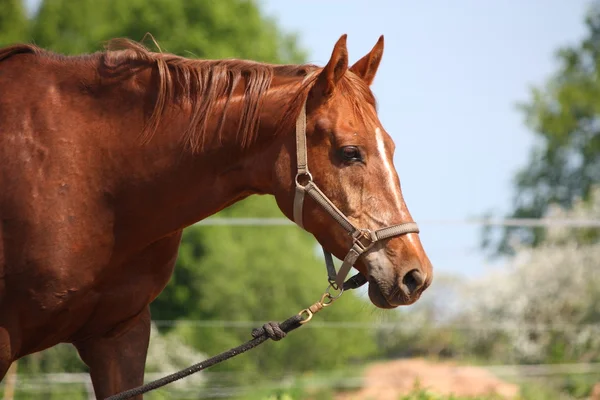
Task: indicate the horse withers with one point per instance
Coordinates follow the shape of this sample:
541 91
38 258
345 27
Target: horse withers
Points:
106 158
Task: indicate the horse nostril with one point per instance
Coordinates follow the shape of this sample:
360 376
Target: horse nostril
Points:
412 281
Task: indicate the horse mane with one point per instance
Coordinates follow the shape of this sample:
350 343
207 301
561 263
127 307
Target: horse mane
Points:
204 83
18 49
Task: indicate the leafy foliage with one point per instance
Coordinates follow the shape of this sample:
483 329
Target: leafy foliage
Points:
13 22
548 298
565 117
204 29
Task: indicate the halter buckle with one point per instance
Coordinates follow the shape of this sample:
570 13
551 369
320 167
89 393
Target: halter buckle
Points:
364 238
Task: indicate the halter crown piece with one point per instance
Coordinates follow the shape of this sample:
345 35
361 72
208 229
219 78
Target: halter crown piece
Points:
363 239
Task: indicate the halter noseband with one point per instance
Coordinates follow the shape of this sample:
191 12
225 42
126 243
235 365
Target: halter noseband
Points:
363 239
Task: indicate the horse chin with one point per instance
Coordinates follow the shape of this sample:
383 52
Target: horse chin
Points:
380 300
377 297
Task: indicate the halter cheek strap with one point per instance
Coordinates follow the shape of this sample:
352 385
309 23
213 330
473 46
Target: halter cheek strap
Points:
362 239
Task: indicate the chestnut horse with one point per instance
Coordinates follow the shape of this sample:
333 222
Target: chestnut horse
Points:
106 158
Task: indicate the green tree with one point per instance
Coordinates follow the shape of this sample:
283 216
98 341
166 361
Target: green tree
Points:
195 28
546 300
564 115
13 22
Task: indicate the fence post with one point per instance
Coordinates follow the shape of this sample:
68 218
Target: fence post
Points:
90 388
11 382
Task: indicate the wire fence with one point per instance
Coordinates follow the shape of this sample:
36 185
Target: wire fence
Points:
41 384
403 325
506 222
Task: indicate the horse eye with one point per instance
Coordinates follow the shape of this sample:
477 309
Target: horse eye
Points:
351 153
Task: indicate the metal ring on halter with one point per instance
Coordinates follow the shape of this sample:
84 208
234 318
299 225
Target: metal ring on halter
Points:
332 297
327 298
307 174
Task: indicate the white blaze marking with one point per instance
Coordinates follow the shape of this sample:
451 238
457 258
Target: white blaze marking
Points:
394 190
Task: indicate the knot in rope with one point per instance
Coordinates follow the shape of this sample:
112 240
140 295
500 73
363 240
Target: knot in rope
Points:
271 329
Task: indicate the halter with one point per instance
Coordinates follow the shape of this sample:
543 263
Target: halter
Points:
362 239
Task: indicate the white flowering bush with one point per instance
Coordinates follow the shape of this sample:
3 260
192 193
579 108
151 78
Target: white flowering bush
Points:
545 305
167 353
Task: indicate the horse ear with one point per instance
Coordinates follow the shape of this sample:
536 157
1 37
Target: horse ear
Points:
366 67
336 67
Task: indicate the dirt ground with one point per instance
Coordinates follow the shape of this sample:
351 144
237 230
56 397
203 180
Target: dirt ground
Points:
389 380
595 392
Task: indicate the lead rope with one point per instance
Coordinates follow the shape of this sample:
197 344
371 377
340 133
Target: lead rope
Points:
271 330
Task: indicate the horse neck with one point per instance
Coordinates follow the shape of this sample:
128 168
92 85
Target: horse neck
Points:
172 187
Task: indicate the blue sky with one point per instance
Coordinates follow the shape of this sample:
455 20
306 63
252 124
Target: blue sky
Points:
447 87
451 76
